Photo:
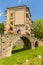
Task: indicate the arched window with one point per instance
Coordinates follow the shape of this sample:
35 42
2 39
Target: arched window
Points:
18 30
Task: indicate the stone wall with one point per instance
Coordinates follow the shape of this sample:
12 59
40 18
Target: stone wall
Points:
7 42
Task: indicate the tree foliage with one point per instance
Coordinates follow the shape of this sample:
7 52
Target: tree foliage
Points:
1 28
37 28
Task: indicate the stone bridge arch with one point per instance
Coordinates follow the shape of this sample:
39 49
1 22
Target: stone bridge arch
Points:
7 41
27 42
23 40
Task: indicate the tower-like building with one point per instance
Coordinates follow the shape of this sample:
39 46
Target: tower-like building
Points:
17 20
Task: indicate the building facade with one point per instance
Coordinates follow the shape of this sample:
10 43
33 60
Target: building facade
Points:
17 20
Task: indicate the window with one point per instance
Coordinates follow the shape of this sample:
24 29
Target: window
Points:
11 28
27 16
11 22
11 16
18 31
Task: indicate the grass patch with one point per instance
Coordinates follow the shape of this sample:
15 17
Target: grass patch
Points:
21 55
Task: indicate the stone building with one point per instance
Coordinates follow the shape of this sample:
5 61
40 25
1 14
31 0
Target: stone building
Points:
17 20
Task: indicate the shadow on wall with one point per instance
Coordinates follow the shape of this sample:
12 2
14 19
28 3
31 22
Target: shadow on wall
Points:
36 44
27 43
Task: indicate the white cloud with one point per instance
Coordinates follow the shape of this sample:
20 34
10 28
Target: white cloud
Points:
19 1
0 14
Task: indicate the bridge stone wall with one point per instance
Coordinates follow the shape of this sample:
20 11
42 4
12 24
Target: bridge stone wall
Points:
6 44
7 41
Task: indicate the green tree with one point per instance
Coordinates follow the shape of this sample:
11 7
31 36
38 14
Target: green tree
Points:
37 28
1 28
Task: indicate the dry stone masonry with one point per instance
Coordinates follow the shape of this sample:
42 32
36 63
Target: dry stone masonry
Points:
8 40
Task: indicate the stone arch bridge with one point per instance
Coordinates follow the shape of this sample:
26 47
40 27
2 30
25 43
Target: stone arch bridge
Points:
7 41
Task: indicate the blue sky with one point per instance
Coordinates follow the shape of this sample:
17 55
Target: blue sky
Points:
36 7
